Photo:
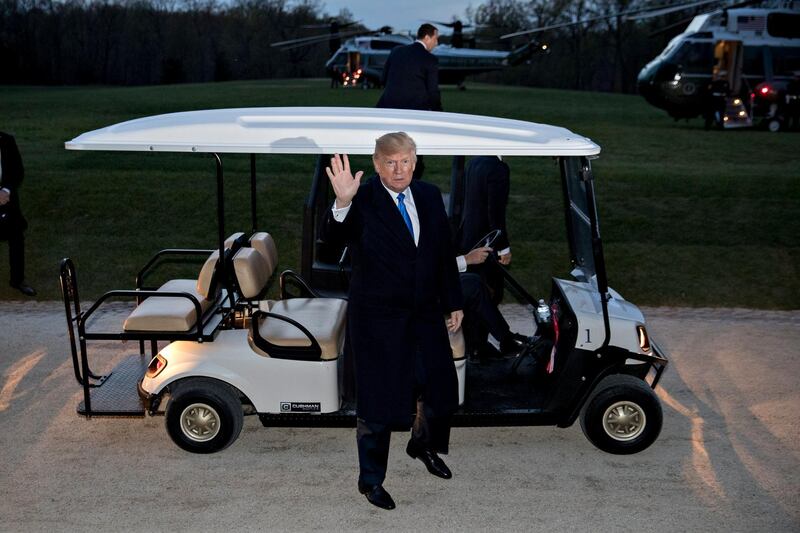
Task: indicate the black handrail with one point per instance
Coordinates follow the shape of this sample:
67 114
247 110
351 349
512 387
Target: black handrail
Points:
197 326
168 251
290 276
313 352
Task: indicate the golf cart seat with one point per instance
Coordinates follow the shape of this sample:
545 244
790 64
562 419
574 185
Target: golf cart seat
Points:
178 313
254 264
306 329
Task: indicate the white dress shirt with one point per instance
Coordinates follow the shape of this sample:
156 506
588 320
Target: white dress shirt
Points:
339 214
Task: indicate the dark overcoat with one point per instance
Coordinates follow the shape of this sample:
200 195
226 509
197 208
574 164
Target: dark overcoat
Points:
399 296
11 179
411 79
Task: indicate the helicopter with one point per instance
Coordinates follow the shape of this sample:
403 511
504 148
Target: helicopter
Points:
360 59
713 67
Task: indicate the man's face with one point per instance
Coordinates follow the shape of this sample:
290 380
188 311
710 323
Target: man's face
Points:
395 170
431 42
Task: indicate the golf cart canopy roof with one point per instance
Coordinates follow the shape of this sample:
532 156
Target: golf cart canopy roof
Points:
327 130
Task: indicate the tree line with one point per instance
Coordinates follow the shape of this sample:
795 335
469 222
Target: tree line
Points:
136 42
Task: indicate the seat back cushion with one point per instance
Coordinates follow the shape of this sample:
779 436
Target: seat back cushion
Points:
206 279
265 244
252 272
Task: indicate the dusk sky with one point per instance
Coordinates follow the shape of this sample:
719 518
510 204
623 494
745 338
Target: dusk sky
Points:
407 15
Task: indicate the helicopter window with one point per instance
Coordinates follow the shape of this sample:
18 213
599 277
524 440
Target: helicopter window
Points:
694 56
783 25
753 61
383 45
785 60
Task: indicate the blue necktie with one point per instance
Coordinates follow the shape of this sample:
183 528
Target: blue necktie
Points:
402 207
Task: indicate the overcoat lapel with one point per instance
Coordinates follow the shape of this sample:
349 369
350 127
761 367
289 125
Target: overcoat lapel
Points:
423 213
390 215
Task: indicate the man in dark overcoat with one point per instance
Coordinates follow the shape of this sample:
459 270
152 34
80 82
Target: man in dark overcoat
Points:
410 78
12 223
404 296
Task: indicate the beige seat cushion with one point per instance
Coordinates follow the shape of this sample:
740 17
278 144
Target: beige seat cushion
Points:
203 284
265 244
252 272
167 313
323 317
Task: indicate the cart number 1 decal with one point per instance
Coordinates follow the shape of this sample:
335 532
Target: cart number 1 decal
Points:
588 336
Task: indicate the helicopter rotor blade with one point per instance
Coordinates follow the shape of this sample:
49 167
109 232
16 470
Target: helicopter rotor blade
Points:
668 10
317 38
632 14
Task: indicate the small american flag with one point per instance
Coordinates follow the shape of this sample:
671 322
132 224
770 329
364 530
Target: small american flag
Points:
756 24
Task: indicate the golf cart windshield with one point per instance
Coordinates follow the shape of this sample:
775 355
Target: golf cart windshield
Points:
579 214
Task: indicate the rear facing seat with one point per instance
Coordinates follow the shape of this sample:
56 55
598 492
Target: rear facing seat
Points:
178 313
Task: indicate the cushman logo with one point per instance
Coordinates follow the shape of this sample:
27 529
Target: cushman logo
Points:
300 407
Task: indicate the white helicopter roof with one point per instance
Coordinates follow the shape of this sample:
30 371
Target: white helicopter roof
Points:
327 130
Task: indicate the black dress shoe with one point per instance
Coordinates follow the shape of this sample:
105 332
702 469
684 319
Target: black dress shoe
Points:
377 496
25 289
432 462
512 344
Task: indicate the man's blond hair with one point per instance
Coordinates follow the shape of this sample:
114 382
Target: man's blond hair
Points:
394 143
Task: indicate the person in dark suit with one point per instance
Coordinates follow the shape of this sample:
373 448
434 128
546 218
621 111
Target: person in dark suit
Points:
410 78
481 315
12 223
486 191
404 283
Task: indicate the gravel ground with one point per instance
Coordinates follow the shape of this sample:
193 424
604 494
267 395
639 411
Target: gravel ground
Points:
728 458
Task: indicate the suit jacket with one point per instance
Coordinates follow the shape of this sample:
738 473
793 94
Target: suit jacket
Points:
11 178
399 294
486 190
411 79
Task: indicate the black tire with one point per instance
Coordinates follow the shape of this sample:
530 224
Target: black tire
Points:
204 416
622 396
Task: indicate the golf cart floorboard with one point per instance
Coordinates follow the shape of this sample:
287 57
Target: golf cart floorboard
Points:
117 395
494 397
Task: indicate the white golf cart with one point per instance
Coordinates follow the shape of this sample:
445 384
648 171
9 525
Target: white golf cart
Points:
231 352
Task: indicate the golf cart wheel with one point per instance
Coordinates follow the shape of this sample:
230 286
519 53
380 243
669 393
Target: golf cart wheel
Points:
204 416
774 125
623 416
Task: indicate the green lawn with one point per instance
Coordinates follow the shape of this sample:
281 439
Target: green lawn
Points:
688 217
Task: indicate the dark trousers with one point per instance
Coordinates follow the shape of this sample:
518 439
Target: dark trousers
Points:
480 312
16 257
427 432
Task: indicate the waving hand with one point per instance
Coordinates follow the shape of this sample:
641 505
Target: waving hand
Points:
344 184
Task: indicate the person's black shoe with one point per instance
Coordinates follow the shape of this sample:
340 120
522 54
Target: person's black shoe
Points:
512 344
432 462
377 496
24 288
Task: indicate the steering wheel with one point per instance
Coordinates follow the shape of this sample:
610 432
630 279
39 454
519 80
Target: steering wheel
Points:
487 240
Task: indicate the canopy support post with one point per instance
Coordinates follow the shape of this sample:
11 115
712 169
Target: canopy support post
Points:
253 193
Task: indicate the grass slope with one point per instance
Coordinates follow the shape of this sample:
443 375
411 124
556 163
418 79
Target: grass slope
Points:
688 217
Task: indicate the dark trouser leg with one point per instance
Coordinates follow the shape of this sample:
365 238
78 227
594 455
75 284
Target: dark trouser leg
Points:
478 304
373 451
16 257
430 432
